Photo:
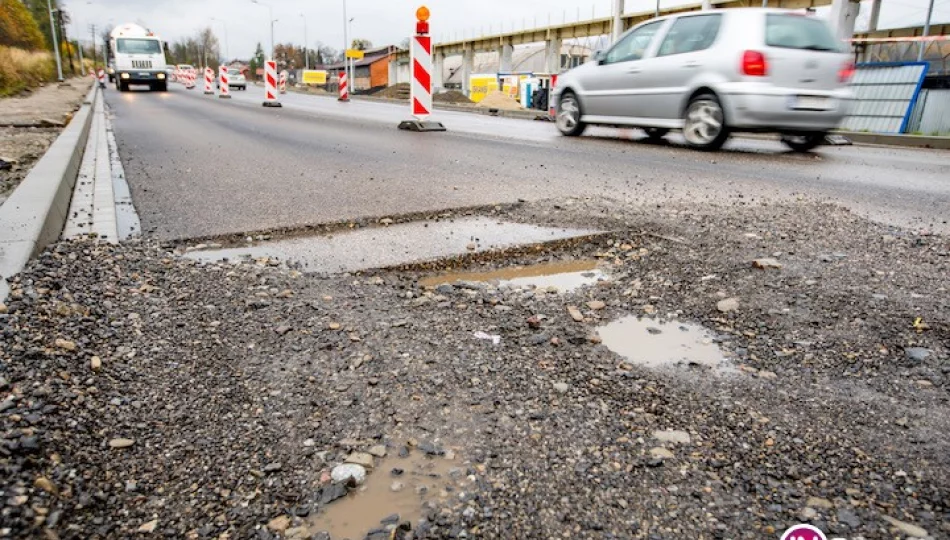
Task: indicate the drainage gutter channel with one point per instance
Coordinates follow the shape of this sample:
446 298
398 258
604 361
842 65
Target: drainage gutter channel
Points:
35 213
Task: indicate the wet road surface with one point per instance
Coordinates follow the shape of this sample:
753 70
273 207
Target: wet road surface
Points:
202 166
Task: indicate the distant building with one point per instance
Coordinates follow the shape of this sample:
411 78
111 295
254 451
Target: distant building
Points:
370 72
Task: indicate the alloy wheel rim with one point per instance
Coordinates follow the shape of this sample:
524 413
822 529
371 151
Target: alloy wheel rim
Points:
704 122
569 114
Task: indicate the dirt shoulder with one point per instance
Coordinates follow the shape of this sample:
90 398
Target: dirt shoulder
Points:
30 123
144 392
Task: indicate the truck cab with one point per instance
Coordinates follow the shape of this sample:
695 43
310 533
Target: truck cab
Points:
139 58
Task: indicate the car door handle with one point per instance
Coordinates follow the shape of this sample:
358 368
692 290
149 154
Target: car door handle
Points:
633 70
691 65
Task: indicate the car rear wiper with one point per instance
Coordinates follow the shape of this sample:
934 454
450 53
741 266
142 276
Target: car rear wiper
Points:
818 48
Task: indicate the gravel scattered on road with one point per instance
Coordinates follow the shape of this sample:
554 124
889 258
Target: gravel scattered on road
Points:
235 427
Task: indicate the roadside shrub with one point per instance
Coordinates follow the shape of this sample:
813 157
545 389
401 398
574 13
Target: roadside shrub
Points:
18 28
21 69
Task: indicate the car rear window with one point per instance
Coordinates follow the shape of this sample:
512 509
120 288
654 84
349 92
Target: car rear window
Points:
799 32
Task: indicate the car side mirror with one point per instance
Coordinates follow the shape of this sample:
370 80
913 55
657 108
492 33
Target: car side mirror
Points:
600 56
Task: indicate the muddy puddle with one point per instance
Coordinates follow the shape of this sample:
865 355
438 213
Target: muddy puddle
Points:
655 344
565 276
397 491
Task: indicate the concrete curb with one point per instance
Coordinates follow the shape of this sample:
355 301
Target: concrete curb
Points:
912 141
527 114
35 213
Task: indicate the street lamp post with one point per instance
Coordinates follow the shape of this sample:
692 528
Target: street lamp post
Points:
346 43
52 29
352 61
227 46
306 50
272 21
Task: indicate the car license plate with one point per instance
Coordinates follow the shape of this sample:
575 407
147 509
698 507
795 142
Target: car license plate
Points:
809 103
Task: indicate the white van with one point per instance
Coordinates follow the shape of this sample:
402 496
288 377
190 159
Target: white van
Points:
139 58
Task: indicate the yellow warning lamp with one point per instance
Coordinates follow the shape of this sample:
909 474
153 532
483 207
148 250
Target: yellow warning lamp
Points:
422 20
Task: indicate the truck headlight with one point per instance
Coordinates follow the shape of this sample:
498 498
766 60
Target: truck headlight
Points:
160 76
124 75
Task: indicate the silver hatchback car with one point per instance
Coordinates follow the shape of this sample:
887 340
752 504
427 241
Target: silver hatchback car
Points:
711 73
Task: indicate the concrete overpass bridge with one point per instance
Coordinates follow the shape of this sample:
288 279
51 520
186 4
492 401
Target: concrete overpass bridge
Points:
843 15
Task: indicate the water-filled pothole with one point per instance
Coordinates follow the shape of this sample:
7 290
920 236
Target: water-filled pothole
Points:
565 276
654 344
403 243
397 491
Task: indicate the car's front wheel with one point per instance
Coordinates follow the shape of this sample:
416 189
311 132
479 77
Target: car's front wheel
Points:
803 142
568 115
704 123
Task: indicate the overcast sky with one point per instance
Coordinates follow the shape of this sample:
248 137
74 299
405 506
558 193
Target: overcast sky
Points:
380 21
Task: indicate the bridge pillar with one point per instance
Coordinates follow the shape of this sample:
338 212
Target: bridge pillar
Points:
505 55
468 62
842 17
616 27
438 70
552 56
875 15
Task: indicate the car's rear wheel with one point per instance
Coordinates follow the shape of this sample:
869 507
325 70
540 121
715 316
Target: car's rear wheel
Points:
568 115
655 134
123 86
803 142
704 124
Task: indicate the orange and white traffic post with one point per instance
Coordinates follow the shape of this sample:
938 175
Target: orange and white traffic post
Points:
209 81
224 81
102 78
283 82
344 87
420 90
270 84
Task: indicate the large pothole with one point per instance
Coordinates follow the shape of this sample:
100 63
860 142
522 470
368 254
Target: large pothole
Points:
395 245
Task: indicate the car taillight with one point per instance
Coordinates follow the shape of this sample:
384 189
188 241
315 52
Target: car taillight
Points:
754 64
846 72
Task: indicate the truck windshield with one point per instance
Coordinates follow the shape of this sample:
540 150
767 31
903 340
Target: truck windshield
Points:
138 46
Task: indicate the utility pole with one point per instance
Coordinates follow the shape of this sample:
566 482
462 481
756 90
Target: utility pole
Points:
62 32
52 29
82 65
95 60
346 45
306 50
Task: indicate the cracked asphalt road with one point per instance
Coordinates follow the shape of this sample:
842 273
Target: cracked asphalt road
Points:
200 166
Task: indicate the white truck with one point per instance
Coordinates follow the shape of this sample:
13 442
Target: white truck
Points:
139 58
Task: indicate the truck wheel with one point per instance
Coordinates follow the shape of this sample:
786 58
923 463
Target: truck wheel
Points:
123 87
160 87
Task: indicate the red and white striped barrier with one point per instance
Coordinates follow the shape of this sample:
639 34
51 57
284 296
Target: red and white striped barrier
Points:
283 82
270 84
189 81
420 91
209 81
224 81
102 78
552 107
344 87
